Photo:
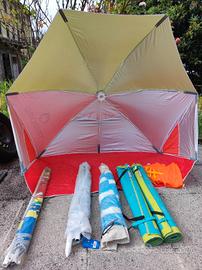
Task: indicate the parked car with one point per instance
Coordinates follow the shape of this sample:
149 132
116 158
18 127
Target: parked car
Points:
7 143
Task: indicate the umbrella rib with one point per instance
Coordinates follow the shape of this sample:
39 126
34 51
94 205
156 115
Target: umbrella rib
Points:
178 121
94 79
155 149
66 124
161 20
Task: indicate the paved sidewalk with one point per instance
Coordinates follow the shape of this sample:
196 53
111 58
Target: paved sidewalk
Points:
47 248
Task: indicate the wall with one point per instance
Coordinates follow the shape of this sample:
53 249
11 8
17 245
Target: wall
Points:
15 37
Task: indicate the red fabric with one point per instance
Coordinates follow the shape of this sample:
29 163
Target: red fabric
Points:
171 146
19 131
65 168
44 114
30 148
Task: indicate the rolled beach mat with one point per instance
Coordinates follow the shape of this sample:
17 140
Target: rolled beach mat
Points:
164 220
142 216
114 228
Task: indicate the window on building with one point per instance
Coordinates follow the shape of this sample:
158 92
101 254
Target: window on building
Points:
7 66
18 35
14 59
15 66
10 6
14 35
7 32
5 5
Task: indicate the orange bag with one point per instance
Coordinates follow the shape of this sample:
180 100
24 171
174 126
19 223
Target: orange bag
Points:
166 175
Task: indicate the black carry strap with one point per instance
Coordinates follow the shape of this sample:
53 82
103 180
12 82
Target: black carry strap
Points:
134 218
127 218
122 174
157 213
135 170
110 225
163 219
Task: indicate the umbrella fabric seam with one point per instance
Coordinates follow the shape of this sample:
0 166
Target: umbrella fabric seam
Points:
87 65
66 124
133 124
125 59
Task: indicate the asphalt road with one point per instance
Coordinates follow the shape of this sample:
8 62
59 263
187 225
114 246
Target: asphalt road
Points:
47 248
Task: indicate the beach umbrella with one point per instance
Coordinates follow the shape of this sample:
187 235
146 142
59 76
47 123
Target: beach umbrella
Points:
21 242
142 216
114 229
165 222
92 78
78 224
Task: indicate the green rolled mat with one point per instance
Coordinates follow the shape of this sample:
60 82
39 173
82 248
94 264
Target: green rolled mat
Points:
165 222
143 219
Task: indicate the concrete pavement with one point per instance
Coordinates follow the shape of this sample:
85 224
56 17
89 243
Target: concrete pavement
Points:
47 248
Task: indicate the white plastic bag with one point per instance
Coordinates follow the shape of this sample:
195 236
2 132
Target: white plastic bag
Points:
79 212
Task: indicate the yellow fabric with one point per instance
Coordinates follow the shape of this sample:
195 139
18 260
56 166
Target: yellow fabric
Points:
174 235
152 239
115 53
106 40
38 200
154 64
165 226
32 213
20 225
170 234
56 64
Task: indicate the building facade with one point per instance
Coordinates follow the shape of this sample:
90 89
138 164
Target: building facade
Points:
15 37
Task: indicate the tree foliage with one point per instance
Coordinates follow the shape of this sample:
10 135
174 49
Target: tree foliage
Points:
4 86
25 22
23 15
186 22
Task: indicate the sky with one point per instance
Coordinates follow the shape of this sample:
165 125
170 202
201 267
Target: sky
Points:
52 7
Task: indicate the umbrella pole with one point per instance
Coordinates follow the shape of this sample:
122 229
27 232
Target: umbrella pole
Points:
21 242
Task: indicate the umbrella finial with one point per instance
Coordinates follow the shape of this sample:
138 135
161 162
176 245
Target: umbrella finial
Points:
101 95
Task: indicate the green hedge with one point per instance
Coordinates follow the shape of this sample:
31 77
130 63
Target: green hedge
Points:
4 86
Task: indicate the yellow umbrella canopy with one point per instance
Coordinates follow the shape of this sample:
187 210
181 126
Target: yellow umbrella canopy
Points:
89 52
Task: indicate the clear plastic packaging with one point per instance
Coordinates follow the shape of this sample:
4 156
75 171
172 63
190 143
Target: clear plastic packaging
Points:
78 223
